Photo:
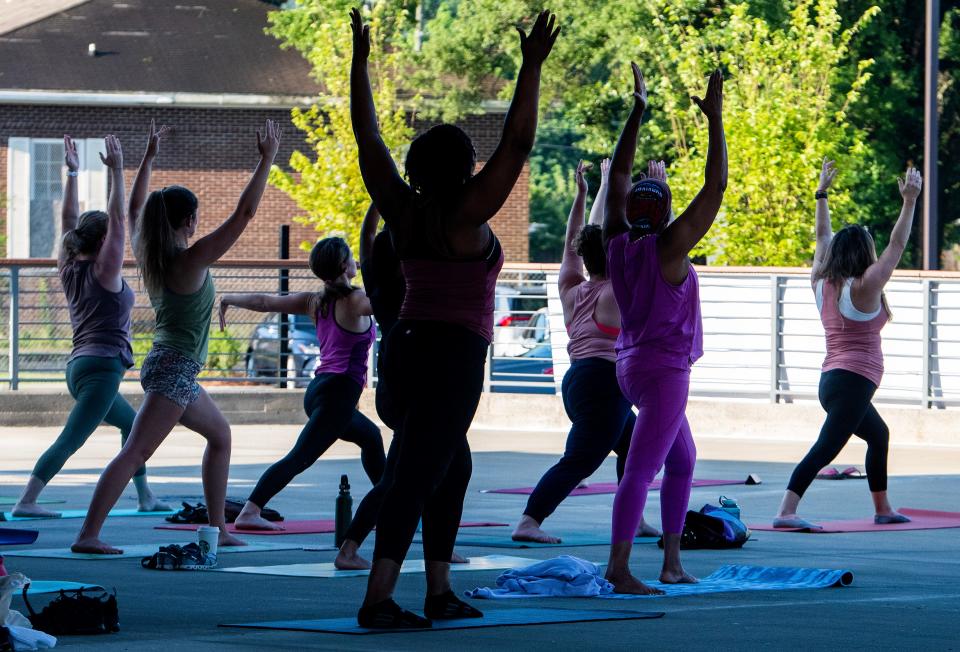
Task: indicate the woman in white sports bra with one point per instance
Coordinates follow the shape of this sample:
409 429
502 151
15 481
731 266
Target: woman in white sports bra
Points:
848 280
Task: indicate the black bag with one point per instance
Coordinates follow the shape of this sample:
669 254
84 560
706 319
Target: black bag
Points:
197 514
76 612
703 531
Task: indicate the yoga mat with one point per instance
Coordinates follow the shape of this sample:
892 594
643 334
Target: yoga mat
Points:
491 562
572 540
82 513
923 519
11 537
495 618
54 586
142 550
319 526
607 487
734 578
12 500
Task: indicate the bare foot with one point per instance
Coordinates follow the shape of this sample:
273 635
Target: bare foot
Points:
529 530
346 561
249 522
95 547
677 576
627 583
647 530
458 559
24 510
153 504
227 539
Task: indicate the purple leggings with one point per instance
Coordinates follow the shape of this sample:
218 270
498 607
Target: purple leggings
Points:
661 439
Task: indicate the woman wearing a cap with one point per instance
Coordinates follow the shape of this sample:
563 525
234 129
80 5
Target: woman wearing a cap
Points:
661 334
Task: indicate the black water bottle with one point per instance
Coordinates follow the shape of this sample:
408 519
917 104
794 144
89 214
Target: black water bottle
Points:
344 512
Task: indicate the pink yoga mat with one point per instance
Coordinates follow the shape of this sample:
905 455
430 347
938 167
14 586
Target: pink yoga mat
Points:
322 526
608 487
923 519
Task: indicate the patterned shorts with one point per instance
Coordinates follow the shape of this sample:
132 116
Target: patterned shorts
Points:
170 374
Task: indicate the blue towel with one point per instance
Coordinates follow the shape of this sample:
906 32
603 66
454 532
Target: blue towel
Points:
563 576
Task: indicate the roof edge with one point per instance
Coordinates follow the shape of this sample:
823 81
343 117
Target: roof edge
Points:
187 100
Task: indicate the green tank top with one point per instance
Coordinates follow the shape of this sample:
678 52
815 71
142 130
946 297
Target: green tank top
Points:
183 320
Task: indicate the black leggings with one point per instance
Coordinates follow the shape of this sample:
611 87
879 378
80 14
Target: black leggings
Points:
330 403
602 421
846 396
436 378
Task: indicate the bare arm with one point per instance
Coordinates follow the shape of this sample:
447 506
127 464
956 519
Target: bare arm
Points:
486 192
208 249
387 188
621 168
824 230
596 211
687 230
141 182
877 275
571 267
70 207
301 303
368 231
109 264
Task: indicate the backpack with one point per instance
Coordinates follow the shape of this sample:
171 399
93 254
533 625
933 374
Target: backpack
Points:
712 528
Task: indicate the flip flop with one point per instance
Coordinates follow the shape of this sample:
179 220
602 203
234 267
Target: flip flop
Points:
853 473
830 473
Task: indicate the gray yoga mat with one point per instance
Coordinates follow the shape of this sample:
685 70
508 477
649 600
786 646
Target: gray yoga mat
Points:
494 618
487 540
142 550
327 569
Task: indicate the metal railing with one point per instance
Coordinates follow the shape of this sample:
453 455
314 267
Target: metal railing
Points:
762 333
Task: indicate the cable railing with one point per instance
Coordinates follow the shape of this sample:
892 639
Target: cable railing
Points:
762 335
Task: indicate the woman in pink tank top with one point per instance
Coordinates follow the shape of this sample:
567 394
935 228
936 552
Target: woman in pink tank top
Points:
345 332
600 416
656 289
848 279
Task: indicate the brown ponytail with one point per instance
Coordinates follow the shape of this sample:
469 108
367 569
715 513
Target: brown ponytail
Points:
155 242
85 239
328 261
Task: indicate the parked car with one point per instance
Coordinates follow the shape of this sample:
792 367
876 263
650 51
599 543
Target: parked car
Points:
534 366
263 352
513 308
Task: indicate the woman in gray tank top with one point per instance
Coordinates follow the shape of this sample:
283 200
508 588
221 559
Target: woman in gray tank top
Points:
89 265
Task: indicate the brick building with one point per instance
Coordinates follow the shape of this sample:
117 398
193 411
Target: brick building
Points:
88 68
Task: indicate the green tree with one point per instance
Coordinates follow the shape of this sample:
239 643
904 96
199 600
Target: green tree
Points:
325 182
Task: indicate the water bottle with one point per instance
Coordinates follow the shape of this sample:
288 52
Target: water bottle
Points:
730 506
344 512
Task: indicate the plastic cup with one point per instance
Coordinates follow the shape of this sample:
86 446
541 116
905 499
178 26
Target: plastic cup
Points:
208 538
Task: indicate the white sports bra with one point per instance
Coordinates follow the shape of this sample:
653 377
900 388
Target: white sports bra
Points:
847 309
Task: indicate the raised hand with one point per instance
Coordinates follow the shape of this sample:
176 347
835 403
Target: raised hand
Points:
712 103
537 45
639 87
580 178
268 142
153 139
911 184
70 156
657 170
113 159
827 173
361 36
604 170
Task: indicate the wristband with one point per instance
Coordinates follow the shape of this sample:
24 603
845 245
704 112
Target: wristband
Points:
71 173
821 194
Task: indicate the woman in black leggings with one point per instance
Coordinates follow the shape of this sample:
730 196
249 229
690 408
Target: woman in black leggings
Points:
437 351
848 280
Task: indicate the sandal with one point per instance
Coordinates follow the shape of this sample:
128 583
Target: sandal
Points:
853 473
830 473
174 557
192 514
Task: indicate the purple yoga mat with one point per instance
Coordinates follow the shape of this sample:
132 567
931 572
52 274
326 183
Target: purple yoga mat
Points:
608 487
923 519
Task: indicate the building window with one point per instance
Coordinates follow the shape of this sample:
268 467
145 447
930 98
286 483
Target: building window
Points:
35 180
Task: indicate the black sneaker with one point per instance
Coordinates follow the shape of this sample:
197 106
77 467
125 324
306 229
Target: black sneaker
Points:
447 606
389 615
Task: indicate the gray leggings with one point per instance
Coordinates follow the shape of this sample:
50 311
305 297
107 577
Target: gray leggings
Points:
94 383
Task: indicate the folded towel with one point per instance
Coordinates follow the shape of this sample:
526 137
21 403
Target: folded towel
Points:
563 576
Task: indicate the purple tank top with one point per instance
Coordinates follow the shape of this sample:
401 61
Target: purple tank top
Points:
100 318
454 291
343 351
588 337
851 345
660 322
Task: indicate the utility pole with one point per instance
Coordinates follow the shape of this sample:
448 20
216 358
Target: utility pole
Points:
931 138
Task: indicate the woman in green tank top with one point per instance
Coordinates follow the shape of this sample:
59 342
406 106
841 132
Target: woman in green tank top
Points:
177 277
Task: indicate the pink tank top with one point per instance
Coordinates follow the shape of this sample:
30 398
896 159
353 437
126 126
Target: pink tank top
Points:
588 337
454 291
851 345
660 322
343 351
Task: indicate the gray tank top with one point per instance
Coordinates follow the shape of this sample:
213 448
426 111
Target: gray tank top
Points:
100 318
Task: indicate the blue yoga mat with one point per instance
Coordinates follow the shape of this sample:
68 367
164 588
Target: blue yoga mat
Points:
494 618
55 586
82 513
12 537
572 540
